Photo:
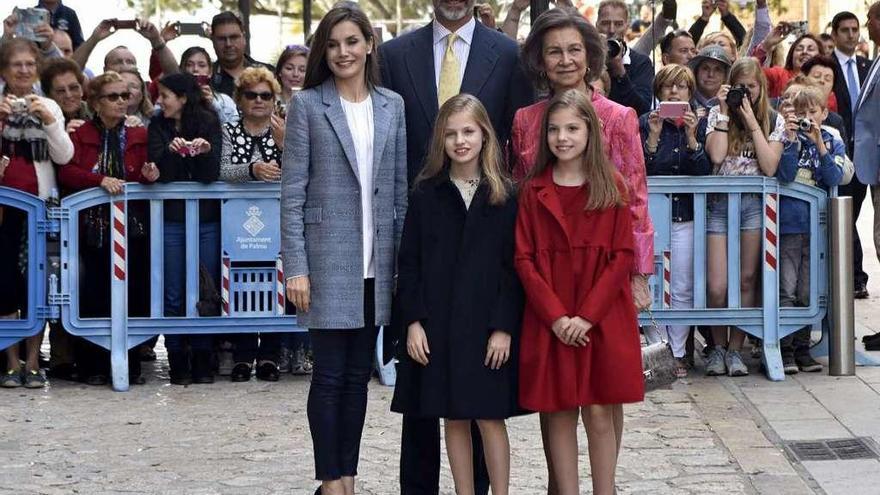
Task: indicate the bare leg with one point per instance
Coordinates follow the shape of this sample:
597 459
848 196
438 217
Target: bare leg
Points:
545 437
334 487
348 484
750 264
12 357
717 281
562 437
461 457
496 448
33 352
599 423
617 410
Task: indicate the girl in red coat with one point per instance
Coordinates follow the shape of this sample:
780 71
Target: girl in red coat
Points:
580 350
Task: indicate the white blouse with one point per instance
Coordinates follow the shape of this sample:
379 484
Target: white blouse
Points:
360 124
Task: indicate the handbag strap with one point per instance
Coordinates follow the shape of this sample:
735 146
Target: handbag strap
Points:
655 328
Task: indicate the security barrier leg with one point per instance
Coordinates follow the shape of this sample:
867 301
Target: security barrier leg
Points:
119 299
841 356
770 300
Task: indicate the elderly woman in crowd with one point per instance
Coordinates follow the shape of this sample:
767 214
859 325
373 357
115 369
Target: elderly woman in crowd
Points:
63 81
343 201
107 154
33 138
251 151
196 61
674 147
184 142
564 51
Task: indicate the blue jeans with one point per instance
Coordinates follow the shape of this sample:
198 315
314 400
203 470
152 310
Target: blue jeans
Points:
337 405
175 277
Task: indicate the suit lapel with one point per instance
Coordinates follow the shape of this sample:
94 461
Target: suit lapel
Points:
381 128
870 82
338 122
420 64
481 61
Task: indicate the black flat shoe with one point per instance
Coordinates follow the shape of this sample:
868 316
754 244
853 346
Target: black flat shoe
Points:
241 372
96 380
268 372
318 491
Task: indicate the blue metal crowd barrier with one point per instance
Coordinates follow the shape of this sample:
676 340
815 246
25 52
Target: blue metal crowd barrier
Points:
252 280
768 321
37 226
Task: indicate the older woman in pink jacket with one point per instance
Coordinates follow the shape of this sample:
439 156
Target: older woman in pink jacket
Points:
564 51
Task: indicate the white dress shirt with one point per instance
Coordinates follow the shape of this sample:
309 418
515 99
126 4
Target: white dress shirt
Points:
360 124
461 47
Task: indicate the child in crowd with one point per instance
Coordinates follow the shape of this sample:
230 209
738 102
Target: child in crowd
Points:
580 352
459 294
814 157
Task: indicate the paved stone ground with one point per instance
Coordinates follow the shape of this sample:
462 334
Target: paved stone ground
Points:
704 436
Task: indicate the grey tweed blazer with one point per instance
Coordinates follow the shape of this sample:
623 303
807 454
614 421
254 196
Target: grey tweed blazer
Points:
321 207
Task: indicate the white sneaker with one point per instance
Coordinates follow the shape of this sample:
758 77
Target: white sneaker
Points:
735 364
716 365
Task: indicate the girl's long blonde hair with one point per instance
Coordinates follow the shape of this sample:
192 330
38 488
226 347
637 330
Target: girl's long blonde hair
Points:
737 134
491 160
606 186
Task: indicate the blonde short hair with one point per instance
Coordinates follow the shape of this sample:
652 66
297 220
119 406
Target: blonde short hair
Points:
674 73
252 76
804 97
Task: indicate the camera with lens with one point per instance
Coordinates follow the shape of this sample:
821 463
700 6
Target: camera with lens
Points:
804 125
736 95
19 106
615 47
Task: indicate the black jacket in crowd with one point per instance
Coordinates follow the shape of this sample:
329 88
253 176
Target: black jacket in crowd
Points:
674 158
456 276
635 88
176 168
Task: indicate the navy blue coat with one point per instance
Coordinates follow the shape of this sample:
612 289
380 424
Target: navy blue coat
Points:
493 74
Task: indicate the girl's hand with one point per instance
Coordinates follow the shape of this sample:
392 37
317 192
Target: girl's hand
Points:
580 335
200 146
38 108
6 107
417 343
278 130
150 172
4 162
560 327
177 144
655 123
775 36
641 292
498 349
299 292
74 124
722 99
207 93
112 185
749 115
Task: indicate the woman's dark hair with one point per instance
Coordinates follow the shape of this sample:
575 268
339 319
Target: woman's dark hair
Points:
559 18
317 70
197 112
56 67
193 50
8 48
820 61
789 59
288 53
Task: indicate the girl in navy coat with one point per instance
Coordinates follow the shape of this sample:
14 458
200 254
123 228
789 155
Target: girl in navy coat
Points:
459 294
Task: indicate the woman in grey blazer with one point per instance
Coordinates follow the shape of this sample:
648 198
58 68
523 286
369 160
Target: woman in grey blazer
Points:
343 201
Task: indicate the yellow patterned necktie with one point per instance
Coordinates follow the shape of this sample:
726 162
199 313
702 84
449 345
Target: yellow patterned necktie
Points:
450 73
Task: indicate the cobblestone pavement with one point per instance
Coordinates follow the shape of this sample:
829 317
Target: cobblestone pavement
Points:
253 438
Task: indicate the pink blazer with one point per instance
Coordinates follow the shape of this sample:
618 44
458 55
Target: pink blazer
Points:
620 130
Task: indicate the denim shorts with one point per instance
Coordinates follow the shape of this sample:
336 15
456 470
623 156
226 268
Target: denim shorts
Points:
750 215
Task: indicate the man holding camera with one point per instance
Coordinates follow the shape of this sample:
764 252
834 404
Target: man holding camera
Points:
632 74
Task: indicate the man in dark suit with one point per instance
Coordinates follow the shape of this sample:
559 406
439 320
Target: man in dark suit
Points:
849 75
452 54
632 74
490 70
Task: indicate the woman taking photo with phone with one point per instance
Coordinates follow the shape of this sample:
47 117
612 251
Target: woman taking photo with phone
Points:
343 201
196 61
744 136
672 138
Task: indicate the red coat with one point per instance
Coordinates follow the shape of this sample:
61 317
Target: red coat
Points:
575 265
87 145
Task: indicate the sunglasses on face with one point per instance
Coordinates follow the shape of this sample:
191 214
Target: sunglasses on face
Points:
253 95
114 97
